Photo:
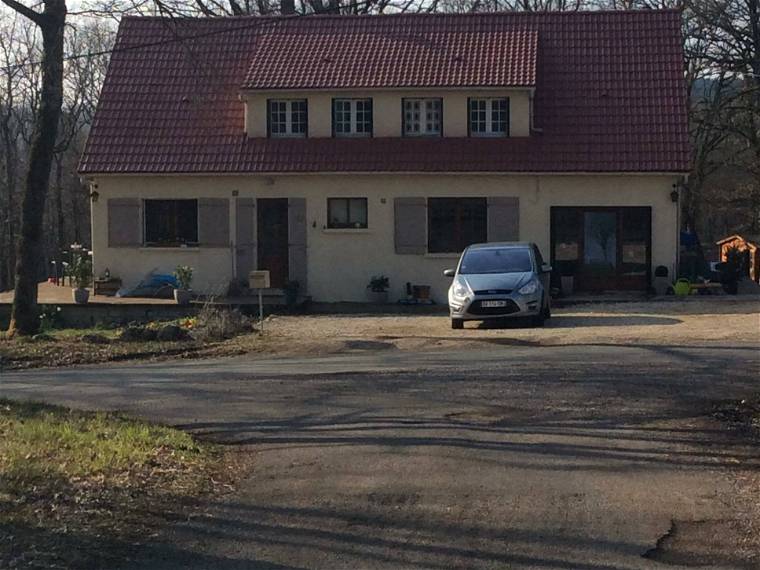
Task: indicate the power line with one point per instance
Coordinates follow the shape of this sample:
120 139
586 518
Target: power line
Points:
254 21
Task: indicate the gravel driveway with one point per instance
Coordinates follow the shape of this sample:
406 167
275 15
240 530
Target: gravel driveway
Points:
692 322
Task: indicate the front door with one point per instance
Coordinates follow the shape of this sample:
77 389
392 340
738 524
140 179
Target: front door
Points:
272 238
602 248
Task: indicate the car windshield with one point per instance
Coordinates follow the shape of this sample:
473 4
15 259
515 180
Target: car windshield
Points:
492 260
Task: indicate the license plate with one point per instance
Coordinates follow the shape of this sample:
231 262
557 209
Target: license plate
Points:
491 304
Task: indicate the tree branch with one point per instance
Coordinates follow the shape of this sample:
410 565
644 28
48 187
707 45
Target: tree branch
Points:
35 17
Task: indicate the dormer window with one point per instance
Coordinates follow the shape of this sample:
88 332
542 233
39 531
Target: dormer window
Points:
287 118
352 117
423 117
489 117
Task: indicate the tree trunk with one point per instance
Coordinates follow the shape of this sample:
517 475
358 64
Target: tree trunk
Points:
24 318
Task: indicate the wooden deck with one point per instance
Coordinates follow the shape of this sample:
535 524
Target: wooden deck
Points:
50 294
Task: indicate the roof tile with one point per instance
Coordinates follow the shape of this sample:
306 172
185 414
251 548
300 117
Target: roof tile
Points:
609 92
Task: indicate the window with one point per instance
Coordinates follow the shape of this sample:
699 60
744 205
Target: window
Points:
496 260
287 118
352 117
489 117
171 223
422 117
455 223
346 213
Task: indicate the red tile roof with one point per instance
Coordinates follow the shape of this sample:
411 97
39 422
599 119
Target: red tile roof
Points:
346 53
609 97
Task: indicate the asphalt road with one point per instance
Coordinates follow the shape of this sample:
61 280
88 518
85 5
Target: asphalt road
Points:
507 457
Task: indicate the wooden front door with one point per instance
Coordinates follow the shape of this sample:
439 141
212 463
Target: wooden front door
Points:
272 239
602 248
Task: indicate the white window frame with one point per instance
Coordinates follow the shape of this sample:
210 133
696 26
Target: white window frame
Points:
289 112
489 124
421 107
353 116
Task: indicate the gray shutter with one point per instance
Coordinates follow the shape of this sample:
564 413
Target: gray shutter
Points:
124 229
297 260
245 229
214 222
503 218
411 225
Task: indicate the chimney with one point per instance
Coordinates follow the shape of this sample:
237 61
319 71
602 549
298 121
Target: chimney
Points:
287 7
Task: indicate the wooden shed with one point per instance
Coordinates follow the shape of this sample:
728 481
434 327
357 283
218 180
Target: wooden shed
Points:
749 247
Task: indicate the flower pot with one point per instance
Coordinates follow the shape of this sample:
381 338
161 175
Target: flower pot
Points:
81 296
377 297
182 296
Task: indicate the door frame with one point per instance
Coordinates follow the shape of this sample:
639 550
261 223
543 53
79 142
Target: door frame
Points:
622 281
260 239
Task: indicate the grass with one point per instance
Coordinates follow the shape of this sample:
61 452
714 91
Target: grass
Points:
78 489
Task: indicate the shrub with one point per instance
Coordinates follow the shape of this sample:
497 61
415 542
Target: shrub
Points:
50 318
184 276
379 283
81 271
214 324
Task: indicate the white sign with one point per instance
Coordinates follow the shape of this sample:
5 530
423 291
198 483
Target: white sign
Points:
258 279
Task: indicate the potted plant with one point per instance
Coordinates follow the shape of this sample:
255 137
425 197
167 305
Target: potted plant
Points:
184 276
81 273
377 290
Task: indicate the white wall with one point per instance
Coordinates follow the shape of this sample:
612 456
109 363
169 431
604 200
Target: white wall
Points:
341 262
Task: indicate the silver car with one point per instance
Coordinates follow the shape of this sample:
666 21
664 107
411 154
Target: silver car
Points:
498 280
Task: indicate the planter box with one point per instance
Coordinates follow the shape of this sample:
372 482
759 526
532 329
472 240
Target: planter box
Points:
182 296
377 297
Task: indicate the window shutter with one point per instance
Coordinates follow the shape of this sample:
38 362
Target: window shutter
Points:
306 116
297 261
245 229
269 118
410 226
371 107
124 222
214 222
509 119
503 218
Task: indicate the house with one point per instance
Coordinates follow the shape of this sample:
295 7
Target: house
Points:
748 246
328 149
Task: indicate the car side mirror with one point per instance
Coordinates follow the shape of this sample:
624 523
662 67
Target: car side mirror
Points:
546 268
449 272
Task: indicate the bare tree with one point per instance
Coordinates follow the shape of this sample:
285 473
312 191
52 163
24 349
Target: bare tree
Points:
51 23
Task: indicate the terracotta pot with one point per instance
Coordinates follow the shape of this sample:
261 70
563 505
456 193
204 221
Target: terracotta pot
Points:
182 296
81 296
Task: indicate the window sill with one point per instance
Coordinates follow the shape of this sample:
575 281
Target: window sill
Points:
346 231
175 248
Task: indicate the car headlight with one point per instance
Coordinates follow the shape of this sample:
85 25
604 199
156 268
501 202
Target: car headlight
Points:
459 289
529 288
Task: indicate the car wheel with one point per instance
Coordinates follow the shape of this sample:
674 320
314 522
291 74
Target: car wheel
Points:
457 324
